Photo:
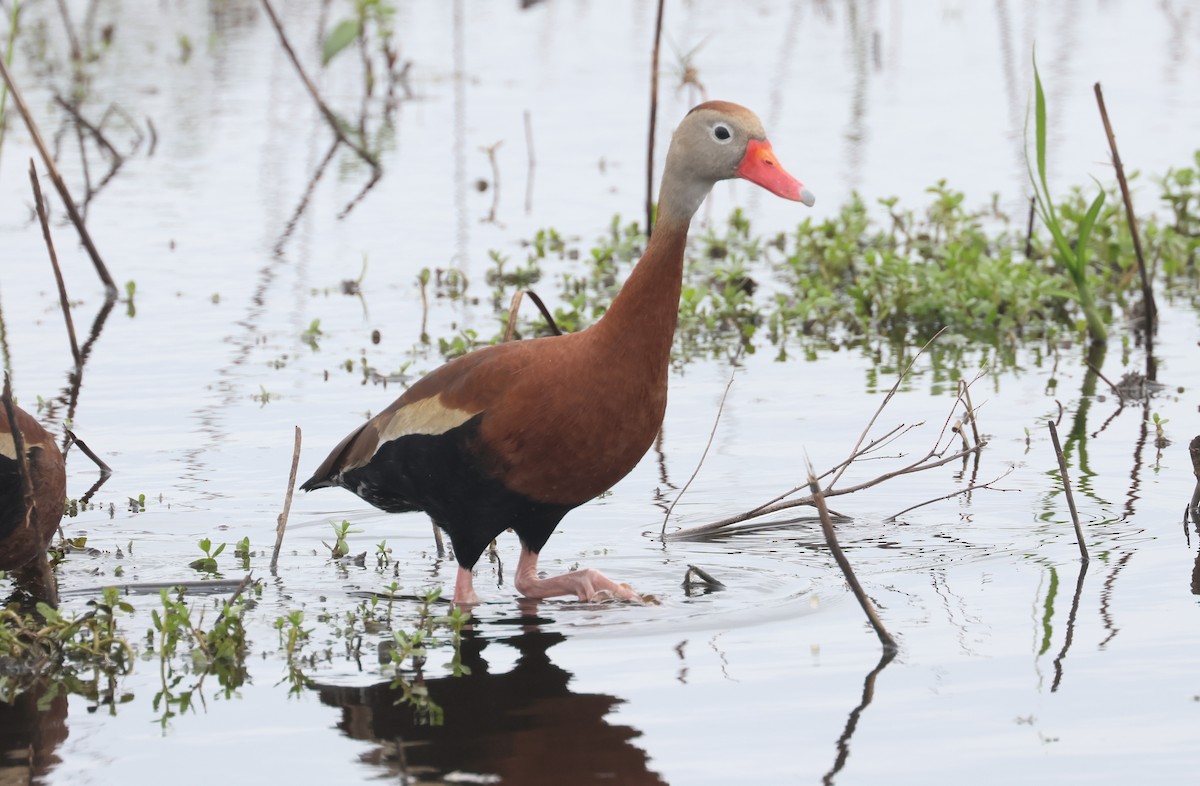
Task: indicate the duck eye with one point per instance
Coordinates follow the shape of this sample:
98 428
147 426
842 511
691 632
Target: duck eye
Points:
721 132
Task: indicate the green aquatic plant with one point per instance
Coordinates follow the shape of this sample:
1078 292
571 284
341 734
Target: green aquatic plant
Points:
74 652
408 650
341 546
312 333
242 551
871 273
1071 253
207 563
292 636
184 648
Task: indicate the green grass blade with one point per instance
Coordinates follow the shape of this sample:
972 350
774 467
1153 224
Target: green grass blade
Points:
1040 121
1085 228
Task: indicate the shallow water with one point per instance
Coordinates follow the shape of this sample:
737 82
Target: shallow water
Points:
1012 666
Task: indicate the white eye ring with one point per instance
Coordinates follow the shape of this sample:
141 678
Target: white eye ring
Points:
721 133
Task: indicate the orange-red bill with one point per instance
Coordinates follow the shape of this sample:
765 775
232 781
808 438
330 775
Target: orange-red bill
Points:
760 166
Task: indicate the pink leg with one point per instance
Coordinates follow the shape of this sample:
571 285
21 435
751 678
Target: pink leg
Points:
464 588
585 584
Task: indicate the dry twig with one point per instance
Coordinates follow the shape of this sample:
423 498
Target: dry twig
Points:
1147 290
936 456
58 276
951 495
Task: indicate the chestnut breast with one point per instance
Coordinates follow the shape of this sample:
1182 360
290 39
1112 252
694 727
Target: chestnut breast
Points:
564 417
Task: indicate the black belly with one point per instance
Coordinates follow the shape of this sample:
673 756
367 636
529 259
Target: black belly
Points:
11 504
444 476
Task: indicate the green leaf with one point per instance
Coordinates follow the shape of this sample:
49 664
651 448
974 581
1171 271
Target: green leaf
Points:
1040 125
1085 228
338 39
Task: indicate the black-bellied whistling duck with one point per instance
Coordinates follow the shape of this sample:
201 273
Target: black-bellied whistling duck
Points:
21 544
515 435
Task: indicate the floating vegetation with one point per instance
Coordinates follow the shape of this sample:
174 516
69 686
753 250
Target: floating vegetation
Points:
867 272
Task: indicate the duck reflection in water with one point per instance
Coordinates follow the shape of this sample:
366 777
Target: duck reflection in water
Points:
30 734
524 726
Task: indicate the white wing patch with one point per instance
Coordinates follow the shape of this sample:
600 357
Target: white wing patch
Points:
427 416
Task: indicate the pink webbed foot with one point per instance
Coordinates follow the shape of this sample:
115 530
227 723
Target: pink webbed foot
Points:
587 585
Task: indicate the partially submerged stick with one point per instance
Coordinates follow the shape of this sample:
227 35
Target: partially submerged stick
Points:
885 638
281 523
59 184
1147 290
936 456
105 470
704 578
1062 469
58 276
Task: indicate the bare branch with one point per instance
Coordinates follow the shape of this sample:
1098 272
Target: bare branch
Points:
936 456
952 494
890 394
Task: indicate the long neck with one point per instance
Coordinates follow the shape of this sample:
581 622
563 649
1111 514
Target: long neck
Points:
640 323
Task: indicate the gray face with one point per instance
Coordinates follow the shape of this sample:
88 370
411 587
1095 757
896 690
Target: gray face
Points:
707 147
715 136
